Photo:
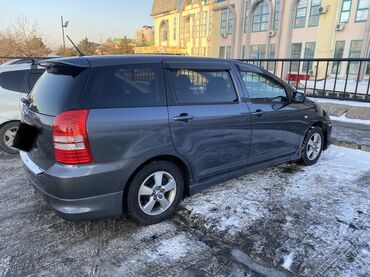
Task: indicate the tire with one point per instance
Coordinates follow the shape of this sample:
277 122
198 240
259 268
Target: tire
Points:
146 196
312 146
7 133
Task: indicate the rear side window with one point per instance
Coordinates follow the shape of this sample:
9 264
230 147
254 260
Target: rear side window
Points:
58 89
13 80
124 86
203 86
32 79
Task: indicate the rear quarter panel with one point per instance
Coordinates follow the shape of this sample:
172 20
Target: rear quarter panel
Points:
126 133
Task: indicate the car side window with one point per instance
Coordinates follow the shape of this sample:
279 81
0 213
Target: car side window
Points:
263 89
193 86
123 86
32 79
13 80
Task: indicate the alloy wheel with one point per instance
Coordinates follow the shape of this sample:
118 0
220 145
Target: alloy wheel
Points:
157 193
314 146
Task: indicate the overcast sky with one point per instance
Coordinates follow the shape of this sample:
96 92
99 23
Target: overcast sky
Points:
90 18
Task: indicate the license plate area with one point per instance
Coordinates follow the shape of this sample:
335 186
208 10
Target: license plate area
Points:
26 137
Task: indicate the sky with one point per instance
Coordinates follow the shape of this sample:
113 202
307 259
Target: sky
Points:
95 19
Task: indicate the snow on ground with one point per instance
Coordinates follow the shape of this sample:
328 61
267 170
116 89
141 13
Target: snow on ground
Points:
340 85
321 213
343 118
340 102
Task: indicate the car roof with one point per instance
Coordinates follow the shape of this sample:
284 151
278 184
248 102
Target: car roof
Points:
15 67
97 61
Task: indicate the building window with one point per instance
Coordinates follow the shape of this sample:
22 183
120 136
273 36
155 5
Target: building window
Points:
221 53
227 22
228 52
197 25
300 14
362 10
355 53
257 51
295 54
175 28
224 22
314 13
345 11
230 24
204 25
277 14
247 9
164 30
309 53
272 55
260 17
210 23
338 54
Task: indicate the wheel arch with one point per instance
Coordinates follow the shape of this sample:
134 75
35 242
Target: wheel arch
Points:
321 125
180 163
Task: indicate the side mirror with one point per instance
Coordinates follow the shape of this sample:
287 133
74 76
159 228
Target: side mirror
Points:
299 97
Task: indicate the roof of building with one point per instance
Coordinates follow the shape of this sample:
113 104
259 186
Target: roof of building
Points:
163 6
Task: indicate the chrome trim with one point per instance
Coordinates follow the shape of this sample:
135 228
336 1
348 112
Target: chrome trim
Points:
35 169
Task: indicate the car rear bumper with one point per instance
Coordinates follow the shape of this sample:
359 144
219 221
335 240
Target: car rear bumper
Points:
52 187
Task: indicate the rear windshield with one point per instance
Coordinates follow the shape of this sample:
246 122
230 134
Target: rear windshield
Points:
58 89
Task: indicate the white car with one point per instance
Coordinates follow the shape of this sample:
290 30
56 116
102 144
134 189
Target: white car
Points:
16 81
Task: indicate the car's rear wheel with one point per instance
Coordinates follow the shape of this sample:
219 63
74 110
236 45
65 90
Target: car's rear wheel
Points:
155 192
312 146
7 135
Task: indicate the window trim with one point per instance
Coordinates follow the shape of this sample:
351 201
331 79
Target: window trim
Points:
174 96
363 9
343 11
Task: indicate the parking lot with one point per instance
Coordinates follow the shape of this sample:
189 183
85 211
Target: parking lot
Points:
287 220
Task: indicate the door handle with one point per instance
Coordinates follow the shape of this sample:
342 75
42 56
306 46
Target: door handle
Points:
184 117
258 113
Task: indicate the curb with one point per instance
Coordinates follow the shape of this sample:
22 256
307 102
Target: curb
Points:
351 145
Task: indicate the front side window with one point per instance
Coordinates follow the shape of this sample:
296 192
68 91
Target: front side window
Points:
262 89
314 13
260 17
126 86
345 11
203 86
300 15
362 10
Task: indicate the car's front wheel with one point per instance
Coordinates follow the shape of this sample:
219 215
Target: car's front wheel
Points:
155 192
313 146
7 135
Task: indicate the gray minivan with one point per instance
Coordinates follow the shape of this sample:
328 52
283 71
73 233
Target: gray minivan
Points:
139 133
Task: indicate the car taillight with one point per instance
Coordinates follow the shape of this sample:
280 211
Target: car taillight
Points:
71 144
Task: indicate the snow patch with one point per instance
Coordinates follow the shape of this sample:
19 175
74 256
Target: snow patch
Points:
288 261
343 118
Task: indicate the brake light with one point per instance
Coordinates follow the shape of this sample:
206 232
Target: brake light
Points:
71 144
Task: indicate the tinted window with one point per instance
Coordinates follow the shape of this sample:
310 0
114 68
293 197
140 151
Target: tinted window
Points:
58 90
13 80
203 86
32 79
125 86
261 88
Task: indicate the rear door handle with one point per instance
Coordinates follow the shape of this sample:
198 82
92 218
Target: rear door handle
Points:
184 117
258 113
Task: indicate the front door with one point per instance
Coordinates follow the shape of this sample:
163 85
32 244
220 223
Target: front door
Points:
277 124
210 126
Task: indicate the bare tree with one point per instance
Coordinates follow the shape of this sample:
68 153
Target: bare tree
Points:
23 38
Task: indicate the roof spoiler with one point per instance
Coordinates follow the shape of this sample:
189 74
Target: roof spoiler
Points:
73 62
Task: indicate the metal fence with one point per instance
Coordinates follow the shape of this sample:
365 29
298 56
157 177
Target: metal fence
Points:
344 79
